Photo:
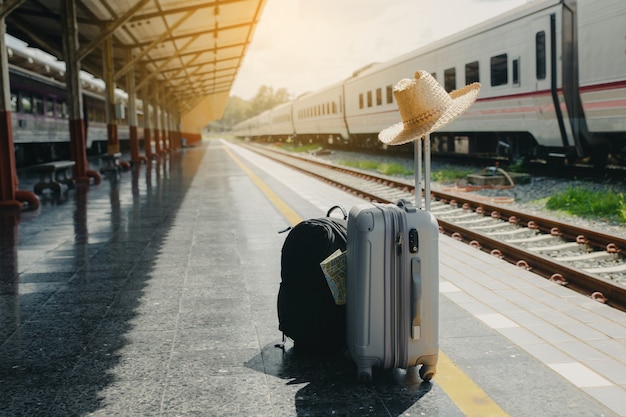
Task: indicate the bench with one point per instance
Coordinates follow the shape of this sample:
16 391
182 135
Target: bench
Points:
54 175
112 165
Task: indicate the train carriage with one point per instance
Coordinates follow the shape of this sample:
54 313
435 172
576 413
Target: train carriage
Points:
320 115
40 113
515 108
281 119
602 71
553 76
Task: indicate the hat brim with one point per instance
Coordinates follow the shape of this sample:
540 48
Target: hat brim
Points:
462 99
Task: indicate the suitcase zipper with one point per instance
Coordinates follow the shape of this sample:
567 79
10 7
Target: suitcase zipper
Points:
402 311
389 304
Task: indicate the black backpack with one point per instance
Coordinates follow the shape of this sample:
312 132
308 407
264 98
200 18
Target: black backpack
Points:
307 312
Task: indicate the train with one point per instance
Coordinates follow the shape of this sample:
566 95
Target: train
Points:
553 87
39 109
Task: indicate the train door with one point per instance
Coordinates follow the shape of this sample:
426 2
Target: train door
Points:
552 129
542 69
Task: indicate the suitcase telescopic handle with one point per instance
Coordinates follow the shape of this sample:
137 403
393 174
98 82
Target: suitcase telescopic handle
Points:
333 208
416 298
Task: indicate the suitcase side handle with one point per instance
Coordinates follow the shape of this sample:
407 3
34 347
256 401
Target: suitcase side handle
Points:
416 298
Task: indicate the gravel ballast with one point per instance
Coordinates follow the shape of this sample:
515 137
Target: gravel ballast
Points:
530 197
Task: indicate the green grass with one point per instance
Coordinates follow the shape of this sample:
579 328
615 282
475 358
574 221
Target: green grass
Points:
449 175
292 147
587 203
443 175
383 168
516 166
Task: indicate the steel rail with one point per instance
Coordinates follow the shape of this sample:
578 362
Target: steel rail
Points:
578 280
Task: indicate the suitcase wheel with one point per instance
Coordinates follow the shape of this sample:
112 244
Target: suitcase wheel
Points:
427 372
364 375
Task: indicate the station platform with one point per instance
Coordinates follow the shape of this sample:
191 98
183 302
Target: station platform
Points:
155 295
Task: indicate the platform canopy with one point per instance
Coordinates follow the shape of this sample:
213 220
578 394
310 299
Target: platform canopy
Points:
193 47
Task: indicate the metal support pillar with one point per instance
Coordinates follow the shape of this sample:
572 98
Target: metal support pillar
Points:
10 196
132 113
78 149
170 130
164 135
113 142
176 128
156 118
145 98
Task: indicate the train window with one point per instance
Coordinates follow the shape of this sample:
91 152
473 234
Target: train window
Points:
334 108
26 104
389 94
369 99
540 51
499 70
449 76
379 96
361 101
62 107
50 107
13 102
38 105
515 65
471 73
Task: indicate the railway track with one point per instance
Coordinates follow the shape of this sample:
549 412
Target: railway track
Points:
588 261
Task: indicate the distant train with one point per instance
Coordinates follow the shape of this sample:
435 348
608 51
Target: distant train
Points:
553 77
40 111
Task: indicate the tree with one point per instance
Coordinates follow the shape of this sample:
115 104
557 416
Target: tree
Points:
266 99
238 109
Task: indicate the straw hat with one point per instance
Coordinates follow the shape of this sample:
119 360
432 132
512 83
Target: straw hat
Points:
425 107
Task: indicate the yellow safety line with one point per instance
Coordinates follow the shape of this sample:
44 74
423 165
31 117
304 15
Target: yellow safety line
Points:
468 396
285 210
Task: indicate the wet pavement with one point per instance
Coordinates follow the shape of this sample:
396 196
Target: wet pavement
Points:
156 295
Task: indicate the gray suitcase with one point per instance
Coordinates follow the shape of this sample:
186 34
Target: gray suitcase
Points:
393 287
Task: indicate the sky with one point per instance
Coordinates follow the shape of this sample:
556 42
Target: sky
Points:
305 45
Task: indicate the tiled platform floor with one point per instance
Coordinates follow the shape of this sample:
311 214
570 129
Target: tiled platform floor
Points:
156 295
